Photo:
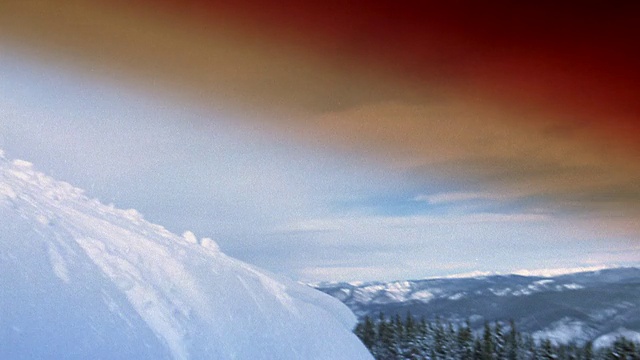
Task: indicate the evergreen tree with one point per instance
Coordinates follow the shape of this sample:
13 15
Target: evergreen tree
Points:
424 340
477 350
366 331
391 339
572 352
439 341
465 342
487 343
561 352
387 347
451 341
512 342
399 335
499 342
546 350
529 349
378 350
410 325
622 349
410 342
587 352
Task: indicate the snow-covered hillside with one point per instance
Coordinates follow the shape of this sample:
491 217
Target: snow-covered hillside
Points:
83 280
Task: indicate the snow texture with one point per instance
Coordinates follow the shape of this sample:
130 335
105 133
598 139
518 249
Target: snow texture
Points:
608 339
81 280
565 331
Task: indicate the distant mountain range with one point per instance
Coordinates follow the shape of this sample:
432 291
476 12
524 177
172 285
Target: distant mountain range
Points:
589 306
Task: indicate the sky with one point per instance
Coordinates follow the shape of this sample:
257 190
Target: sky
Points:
380 143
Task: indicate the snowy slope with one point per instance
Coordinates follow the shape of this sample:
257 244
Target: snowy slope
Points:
83 280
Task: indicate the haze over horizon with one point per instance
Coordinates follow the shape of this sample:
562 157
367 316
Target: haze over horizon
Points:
367 152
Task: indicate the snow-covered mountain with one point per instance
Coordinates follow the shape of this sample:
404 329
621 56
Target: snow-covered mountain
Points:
81 280
598 305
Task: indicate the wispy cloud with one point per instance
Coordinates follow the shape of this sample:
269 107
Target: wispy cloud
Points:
456 197
505 174
310 226
349 273
375 222
470 274
550 272
478 156
560 271
628 255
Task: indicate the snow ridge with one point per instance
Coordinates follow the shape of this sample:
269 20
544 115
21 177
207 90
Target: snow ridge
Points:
178 295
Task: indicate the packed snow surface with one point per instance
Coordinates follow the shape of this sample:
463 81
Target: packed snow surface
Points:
81 280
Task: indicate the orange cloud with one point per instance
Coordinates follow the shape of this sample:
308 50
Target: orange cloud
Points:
525 100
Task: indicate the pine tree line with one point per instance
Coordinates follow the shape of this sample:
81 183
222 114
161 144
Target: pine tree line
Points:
407 338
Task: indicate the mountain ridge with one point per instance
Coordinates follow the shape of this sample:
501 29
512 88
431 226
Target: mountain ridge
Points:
582 306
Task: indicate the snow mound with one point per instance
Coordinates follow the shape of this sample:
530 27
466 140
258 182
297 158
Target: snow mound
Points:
608 339
566 330
84 280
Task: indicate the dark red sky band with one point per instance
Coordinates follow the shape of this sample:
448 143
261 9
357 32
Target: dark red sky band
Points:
579 60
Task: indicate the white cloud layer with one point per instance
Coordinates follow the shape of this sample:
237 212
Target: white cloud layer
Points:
267 202
560 271
455 197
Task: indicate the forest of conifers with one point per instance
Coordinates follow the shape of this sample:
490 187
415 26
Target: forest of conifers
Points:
408 338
